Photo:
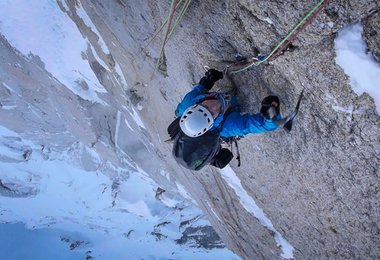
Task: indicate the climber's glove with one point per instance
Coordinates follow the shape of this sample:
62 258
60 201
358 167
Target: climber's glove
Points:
270 107
211 76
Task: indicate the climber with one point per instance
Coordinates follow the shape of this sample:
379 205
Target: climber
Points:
204 118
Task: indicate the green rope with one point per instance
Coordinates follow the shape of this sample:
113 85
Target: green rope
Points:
169 23
179 18
159 29
304 19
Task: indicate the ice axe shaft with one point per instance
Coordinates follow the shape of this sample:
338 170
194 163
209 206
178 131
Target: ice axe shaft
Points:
287 122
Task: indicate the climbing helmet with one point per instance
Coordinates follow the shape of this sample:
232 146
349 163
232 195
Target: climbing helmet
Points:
196 120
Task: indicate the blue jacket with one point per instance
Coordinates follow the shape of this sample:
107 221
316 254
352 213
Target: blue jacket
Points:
235 124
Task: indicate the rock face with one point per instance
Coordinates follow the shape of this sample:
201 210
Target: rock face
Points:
319 185
372 33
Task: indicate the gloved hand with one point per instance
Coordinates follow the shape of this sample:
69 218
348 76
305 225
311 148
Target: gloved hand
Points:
211 76
270 107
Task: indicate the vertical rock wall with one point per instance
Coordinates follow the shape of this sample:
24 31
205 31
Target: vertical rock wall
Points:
319 184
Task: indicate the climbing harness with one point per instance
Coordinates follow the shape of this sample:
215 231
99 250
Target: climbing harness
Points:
230 142
301 25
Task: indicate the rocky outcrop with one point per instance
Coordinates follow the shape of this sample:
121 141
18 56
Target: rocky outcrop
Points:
204 237
372 33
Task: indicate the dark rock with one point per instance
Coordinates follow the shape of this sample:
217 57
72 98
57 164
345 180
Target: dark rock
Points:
371 34
201 237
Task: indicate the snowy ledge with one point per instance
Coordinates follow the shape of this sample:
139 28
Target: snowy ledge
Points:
361 68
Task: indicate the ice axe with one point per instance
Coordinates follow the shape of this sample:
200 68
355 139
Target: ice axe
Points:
287 122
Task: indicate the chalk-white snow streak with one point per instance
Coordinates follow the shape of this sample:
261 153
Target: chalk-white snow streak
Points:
250 205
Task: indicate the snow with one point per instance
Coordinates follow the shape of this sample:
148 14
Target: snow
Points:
363 71
137 118
268 20
250 205
340 109
114 214
212 210
33 243
184 193
8 104
87 20
41 28
114 218
349 111
75 193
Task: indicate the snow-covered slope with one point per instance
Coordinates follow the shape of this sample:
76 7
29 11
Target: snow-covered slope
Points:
80 181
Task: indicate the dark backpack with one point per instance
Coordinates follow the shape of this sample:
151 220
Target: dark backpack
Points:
196 152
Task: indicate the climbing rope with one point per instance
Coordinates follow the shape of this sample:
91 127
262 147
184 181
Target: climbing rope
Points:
321 5
169 28
169 23
179 18
256 61
159 29
306 20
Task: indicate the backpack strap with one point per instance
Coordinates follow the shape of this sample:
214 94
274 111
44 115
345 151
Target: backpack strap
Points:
235 140
174 128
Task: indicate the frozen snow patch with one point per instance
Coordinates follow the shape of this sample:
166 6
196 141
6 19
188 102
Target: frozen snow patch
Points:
87 20
349 111
250 205
268 20
5 106
362 69
212 210
137 119
184 193
55 38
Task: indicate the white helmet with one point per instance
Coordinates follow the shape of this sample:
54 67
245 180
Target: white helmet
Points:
196 120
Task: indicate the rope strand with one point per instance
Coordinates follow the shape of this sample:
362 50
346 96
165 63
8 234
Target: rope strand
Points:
159 29
304 21
170 20
179 18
